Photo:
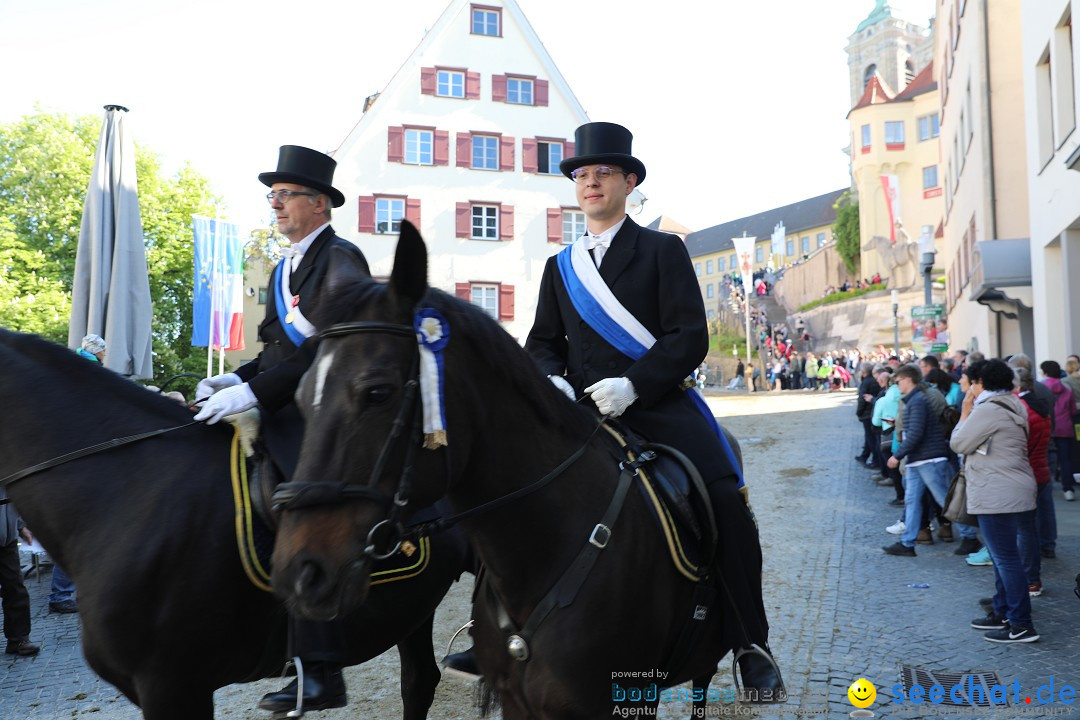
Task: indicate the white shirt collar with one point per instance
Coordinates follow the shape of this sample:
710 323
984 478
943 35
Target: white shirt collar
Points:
300 249
611 232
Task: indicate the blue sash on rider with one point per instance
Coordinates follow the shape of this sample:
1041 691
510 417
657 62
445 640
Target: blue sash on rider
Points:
295 336
603 312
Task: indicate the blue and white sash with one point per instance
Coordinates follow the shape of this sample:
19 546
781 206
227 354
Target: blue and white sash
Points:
300 329
603 312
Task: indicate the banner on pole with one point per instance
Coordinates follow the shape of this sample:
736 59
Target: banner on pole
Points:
891 184
744 251
779 235
218 305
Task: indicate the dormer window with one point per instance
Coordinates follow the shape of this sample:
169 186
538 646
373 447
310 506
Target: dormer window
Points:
486 20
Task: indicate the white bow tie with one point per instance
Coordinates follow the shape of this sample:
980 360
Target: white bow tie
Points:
292 251
602 240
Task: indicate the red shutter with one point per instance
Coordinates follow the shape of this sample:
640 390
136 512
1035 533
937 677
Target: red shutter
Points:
498 88
366 223
472 85
427 81
412 211
554 225
463 220
529 161
506 153
567 150
506 222
506 302
463 291
442 147
464 150
541 92
395 144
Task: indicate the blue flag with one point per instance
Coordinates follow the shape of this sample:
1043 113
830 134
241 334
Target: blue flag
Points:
218 305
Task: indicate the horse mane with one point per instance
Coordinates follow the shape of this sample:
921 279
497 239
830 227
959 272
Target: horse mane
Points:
33 361
500 354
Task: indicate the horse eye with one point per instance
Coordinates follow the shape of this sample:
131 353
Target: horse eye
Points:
378 394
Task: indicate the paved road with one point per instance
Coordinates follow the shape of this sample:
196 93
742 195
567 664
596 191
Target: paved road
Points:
840 609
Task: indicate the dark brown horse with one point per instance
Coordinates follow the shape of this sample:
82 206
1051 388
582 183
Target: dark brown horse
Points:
147 530
506 427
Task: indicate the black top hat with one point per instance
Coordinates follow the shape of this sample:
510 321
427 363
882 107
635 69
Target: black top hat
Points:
603 143
307 167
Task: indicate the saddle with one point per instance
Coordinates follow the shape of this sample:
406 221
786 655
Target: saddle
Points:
677 499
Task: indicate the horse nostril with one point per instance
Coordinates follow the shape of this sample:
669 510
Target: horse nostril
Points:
310 579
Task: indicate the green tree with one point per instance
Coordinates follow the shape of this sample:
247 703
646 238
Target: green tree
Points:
846 231
45 166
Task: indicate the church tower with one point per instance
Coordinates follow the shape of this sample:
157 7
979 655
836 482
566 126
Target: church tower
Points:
895 49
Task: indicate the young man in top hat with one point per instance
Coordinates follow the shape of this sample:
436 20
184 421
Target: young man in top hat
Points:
301 194
650 275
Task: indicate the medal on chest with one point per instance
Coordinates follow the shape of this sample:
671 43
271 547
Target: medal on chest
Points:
292 313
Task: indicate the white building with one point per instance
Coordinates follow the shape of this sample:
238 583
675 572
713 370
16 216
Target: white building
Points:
1053 161
465 141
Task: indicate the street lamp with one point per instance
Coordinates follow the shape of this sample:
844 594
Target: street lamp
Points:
896 322
926 248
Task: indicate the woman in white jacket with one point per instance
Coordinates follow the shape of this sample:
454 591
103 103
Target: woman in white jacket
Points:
992 437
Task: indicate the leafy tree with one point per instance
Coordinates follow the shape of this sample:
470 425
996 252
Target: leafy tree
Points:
846 231
45 166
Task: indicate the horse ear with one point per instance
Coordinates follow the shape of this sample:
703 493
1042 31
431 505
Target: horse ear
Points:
408 280
346 269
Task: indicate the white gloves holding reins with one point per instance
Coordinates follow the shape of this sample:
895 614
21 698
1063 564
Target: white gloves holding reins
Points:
225 395
612 395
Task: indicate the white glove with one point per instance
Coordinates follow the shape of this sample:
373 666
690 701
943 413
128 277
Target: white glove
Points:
229 401
560 382
211 385
612 395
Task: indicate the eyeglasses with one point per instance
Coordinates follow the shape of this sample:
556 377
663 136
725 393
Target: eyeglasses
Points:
603 172
284 196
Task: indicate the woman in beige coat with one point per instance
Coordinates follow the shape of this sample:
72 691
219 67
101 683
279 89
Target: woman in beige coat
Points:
992 437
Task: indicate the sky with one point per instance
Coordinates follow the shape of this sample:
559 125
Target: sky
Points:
737 106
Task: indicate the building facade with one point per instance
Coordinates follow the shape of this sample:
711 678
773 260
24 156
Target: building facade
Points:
886 46
1048 66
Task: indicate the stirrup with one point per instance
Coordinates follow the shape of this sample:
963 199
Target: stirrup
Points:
298 711
453 637
756 649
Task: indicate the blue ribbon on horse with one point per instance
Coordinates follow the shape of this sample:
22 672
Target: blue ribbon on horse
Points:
593 313
432 333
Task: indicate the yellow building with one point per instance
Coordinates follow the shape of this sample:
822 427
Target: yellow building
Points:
895 146
806 225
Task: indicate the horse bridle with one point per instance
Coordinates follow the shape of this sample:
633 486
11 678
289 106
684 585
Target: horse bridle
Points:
295 494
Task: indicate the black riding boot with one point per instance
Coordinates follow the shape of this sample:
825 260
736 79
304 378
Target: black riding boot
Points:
324 688
463 664
761 681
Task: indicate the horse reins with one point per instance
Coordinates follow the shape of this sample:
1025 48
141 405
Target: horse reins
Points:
92 450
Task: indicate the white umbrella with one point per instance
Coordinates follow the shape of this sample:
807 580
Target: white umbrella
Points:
111 288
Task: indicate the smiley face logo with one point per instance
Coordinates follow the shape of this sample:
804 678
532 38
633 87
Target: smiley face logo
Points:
862 693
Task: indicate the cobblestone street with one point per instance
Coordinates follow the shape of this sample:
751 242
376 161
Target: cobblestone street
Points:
840 609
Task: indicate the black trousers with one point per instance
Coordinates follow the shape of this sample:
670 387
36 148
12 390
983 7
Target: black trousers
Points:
13 594
739 563
316 641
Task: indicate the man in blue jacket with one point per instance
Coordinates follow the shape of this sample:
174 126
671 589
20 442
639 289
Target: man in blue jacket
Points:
923 447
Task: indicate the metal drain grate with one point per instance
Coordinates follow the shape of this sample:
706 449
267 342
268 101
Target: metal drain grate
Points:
911 676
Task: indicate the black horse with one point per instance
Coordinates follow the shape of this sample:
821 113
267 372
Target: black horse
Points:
147 530
506 426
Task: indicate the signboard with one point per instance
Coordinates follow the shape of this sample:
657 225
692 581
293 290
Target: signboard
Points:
929 329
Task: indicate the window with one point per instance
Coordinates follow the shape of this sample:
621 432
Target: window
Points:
789 246
494 298
870 70
388 214
708 267
486 20
262 296
805 243
865 130
485 152
759 254
894 135
734 262
708 290
519 91
450 83
697 269
573 225
486 297
929 177
548 157
929 127
720 265
382 214
419 146
480 220
909 72
820 239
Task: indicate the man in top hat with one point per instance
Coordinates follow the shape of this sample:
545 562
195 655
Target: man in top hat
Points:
649 276
301 194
